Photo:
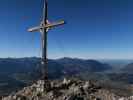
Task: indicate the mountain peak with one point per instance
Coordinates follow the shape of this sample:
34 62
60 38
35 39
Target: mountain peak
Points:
68 89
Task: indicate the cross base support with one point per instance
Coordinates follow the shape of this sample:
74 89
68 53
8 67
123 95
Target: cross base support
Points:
47 86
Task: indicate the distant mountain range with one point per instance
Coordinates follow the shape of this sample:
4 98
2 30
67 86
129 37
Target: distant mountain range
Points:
57 67
22 71
62 66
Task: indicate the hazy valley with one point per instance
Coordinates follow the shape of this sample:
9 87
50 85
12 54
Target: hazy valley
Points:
17 73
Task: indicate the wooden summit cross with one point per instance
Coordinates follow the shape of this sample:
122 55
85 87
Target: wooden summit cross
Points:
43 28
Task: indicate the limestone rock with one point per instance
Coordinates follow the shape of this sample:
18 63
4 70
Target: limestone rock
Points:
65 90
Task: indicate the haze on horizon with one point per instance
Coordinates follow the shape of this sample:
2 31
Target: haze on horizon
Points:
95 28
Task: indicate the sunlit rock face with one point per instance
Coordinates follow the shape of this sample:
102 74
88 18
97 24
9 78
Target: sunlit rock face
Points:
68 89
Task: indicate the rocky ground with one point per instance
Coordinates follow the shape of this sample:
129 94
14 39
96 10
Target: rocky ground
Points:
73 89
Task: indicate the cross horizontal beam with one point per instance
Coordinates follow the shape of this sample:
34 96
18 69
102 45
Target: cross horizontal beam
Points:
47 26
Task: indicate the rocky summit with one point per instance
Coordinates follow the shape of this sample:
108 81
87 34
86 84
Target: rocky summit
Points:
68 89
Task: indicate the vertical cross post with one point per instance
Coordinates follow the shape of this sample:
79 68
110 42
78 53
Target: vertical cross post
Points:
44 62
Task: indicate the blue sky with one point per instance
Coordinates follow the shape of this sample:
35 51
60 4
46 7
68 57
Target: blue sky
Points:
95 28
